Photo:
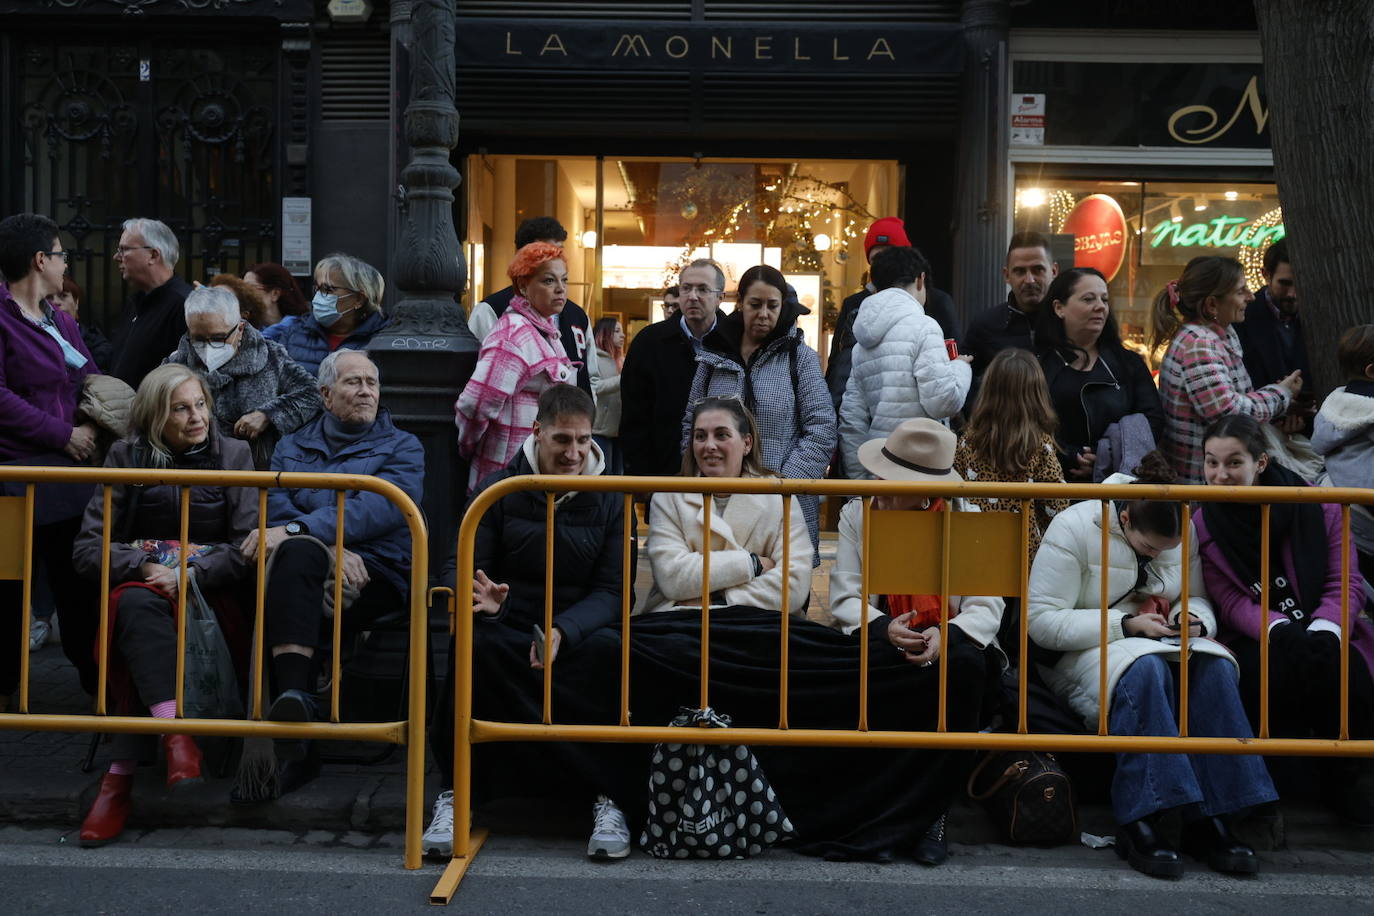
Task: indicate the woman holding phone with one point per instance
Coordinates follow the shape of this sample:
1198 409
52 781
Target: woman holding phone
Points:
1144 570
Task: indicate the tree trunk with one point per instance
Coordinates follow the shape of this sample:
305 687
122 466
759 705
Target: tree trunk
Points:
1319 77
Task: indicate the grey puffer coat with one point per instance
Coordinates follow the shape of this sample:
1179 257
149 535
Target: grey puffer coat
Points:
260 376
782 384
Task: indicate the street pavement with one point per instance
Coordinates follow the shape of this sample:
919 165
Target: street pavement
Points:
335 846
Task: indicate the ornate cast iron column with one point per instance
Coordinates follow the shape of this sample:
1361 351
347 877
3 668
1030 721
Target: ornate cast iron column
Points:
981 219
427 352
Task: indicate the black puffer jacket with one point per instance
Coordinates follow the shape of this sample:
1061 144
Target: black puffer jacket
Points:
219 516
587 543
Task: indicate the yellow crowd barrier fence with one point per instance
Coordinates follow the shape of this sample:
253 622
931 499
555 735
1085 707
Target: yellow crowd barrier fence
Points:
16 556
949 553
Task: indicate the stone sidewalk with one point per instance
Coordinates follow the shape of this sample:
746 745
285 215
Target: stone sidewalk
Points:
43 786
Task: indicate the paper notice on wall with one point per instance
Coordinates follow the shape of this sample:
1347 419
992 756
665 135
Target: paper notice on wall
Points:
1028 119
295 235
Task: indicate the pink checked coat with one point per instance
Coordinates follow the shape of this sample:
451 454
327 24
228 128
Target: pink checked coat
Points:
520 358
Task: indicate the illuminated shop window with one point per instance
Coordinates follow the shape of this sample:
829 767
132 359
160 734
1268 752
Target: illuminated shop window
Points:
1140 234
806 218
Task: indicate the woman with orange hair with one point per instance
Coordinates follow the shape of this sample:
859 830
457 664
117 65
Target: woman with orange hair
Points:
521 356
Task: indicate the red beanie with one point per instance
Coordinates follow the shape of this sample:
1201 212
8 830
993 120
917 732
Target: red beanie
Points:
887 231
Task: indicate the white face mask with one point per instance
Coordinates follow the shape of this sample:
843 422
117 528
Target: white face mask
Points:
214 357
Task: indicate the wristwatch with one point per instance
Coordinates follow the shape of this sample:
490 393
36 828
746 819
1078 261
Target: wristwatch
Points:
295 528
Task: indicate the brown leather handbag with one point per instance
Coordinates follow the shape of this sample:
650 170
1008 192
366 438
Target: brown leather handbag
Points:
1028 795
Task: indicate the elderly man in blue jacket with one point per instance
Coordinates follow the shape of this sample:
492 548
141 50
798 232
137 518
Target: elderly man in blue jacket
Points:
353 435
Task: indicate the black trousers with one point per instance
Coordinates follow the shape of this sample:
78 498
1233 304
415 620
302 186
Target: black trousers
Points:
295 593
145 635
77 602
1304 687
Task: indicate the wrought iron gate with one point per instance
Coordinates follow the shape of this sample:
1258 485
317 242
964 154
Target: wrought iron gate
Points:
177 130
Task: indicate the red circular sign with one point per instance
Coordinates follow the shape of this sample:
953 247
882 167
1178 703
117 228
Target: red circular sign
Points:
1099 234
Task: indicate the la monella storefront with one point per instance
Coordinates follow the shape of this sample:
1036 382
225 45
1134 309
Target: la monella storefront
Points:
1139 152
699 134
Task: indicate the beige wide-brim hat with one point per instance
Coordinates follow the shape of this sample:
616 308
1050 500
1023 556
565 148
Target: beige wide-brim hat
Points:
916 450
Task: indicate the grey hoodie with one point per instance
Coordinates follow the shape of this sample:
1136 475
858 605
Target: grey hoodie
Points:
1343 433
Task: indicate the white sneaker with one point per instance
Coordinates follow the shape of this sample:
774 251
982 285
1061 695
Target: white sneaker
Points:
610 834
38 633
438 838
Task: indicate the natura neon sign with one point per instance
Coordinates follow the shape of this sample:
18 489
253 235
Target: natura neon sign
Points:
1221 232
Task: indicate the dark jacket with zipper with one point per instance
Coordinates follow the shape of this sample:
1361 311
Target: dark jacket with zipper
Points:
588 537
654 386
1131 390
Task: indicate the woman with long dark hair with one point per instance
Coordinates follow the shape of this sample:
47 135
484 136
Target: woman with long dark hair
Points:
757 354
1094 381
1304 618
1203 376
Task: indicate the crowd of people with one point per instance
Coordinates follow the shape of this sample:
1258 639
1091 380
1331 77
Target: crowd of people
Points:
242 373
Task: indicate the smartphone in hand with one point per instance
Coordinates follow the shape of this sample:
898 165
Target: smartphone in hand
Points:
539 643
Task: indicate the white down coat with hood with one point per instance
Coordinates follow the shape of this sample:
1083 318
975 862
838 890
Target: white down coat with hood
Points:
1063 612
901 372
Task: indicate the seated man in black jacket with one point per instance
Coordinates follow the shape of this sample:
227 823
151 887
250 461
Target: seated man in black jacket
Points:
508 605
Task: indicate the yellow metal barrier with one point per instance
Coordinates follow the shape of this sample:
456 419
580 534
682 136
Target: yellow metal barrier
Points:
16 514
968 542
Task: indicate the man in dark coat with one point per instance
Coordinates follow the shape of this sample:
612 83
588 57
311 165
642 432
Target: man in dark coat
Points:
1029 269
574 328
888 232
1272 340
154 321
508 604
658 372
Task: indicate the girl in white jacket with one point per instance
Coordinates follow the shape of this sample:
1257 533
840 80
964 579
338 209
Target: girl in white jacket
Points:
1144 584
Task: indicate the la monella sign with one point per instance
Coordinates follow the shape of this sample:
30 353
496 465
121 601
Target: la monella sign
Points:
1220 232
769 47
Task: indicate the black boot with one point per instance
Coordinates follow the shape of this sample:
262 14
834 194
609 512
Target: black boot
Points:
933 847
1146 851
1211 840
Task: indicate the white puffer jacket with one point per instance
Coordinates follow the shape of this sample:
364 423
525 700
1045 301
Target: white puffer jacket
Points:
1066 589
901 372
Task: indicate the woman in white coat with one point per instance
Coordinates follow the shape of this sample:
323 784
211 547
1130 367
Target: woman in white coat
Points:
746 536
1144 585
920 450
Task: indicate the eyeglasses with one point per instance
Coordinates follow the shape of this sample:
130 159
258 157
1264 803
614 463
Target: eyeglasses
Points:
216 341
122 250
701 289
64 255
332 290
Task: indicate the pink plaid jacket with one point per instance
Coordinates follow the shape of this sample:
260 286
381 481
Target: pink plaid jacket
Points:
520 358
1203 378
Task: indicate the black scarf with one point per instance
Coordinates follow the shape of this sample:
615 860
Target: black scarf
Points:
1299 526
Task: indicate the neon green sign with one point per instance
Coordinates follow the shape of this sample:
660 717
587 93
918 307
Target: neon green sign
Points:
1222 232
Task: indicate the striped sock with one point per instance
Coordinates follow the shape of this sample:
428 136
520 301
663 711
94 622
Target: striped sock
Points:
123 767
167 709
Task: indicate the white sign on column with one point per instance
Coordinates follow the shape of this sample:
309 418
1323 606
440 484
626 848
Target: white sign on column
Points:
1028 119
295 235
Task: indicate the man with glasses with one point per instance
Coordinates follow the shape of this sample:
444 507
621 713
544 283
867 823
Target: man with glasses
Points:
658 373
154 322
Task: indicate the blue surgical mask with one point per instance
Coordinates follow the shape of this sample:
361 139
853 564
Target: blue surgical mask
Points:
325 308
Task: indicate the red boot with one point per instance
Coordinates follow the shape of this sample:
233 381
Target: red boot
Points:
183 760
105 821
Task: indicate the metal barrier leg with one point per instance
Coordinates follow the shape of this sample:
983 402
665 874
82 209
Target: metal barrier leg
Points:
457 867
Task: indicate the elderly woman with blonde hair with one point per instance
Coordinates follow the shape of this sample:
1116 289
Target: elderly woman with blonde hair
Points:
346 312
174 428
261 393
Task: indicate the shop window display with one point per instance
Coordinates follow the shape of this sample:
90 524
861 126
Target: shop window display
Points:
634 223
1140 234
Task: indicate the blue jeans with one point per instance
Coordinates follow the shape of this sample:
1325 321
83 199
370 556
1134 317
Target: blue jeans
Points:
1144 704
